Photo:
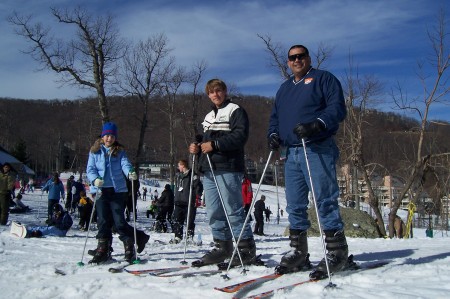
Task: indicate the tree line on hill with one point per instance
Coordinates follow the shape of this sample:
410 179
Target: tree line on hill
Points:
57 134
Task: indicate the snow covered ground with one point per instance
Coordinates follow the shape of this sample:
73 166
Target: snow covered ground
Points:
417 268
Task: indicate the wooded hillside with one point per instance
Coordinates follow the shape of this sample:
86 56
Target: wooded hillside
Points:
58 134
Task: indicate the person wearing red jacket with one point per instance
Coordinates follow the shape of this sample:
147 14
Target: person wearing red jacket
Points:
247 194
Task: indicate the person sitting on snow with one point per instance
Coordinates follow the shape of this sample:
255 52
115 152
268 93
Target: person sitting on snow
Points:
152 210
58 225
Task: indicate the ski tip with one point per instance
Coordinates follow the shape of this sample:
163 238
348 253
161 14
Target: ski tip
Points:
330 285
60 272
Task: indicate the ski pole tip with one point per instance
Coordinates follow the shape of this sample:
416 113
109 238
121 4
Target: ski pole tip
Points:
80 264
225 276
330 285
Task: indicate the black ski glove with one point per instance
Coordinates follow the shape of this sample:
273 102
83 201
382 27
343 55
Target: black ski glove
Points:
274 141
309 129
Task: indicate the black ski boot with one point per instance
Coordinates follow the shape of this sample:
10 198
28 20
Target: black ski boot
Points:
142 239
247 251
102 253
93 251
297 259
130 254
221 251
337 255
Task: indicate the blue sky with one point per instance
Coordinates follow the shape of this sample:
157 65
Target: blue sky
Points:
385 37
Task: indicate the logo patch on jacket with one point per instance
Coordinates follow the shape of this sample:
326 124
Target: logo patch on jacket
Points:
308 80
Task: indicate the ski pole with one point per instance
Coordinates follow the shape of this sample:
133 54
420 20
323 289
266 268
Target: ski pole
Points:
136 261
330 284
276 189
98 194
226 216
183 262
251 207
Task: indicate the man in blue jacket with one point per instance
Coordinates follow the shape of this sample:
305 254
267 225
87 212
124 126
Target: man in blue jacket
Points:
309 106
107 169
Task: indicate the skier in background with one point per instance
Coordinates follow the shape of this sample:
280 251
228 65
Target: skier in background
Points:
77 187
247 194
260 207
144 194
155 195
55 189
164 204
182 208
85 206
267 212
6 185
69 184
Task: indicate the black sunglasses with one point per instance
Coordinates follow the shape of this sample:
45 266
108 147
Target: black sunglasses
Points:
297 56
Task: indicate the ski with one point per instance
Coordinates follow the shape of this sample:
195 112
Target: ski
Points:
349 271
255 281
270 293
187 274
156 271
121 268
252 283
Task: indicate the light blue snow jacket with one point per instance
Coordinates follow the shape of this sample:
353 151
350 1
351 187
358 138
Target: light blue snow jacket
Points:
55 191
119 168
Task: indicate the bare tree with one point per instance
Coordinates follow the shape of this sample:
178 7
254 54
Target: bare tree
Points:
145 68
172 85
360 94
87 59
195 78
435 89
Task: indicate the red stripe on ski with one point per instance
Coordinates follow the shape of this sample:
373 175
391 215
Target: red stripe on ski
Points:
238 286
362 267
271 292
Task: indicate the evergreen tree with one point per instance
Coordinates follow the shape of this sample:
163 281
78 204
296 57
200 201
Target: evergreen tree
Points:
20 151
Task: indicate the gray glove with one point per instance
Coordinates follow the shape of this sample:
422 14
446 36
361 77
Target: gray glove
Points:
133 176
99 182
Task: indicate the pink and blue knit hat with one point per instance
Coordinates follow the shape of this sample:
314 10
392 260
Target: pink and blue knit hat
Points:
109 128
